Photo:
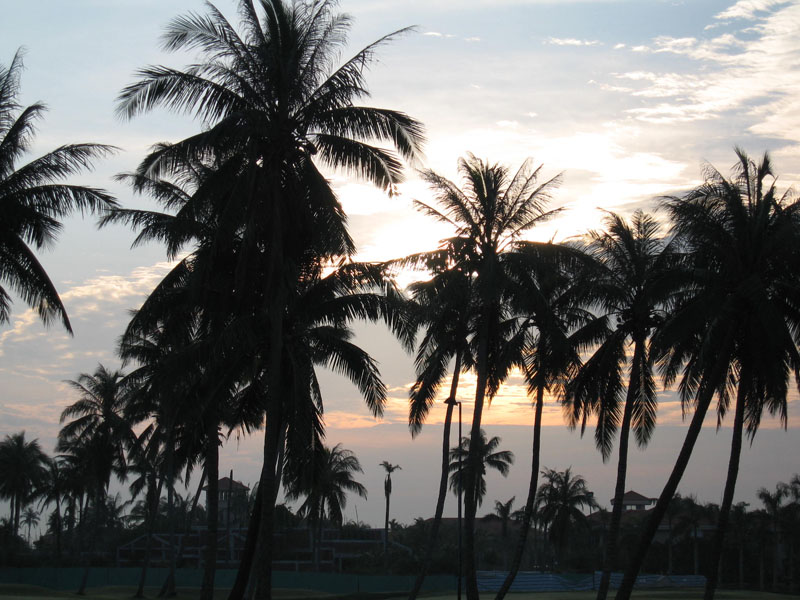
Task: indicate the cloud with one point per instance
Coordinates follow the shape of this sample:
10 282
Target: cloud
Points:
749 9
571 42
755 75
438 34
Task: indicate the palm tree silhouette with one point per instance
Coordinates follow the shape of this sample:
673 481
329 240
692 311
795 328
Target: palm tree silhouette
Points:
22 470
34 200
325 485
554 328
54 489
635 280
101 433
734 323
30 519
489 216
490 457
773 503
561 497
276 109
387 490
442 307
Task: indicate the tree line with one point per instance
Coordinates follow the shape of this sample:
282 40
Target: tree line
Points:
264 288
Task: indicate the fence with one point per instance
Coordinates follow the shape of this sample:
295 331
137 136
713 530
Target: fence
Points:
490 581
68 578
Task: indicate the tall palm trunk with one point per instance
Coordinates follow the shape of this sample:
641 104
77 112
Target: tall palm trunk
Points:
387 487
169 582
470 501
776 557
17 511
272 435
151 510
212 494
612 546
437 517
245 566
98 502
708 386
58 530
660 509
244 577
529 503
171 511
727 496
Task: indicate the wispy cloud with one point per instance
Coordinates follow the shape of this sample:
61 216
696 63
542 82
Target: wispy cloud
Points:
554 41
753 73
749 9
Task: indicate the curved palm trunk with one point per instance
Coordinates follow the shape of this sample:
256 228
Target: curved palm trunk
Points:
528 515
244 577
707 388
150 516
727 496
433 538
470 501
212 494
612 546
660 509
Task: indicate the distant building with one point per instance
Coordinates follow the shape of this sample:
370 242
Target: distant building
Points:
635 501
232 496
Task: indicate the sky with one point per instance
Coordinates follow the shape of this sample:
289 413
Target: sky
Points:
628 99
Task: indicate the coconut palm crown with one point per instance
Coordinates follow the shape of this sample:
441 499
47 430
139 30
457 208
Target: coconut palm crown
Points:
33 200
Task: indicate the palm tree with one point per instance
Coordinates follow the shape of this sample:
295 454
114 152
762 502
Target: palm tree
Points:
503 511
734 323
325 485
489 457
30 519
555 328
442 307
22 470
690 518
489 218
101 431
276 108
387 490
773 503
561 498
34 200
54 489
635 280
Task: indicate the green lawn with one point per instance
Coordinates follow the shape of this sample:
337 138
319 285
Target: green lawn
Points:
21 592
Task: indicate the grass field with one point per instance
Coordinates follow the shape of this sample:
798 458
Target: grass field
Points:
21 592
